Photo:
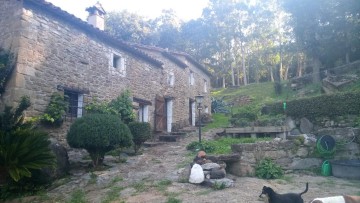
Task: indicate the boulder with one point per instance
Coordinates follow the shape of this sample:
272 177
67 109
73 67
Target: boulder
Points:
62 161
306 126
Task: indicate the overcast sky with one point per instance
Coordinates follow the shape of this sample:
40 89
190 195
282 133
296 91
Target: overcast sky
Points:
185 9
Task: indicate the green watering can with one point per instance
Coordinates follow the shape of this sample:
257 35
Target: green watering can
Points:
326 168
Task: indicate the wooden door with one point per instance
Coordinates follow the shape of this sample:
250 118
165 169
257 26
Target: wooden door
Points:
160 114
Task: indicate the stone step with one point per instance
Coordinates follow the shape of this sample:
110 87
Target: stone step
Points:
170 138
153 144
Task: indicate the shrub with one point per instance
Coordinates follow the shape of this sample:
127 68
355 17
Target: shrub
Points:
141 132
197 146
96 107
98 134
123 106
55 111
21 148
218 106
267 169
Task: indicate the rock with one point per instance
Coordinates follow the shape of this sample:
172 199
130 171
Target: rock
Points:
217 173
196 174
62 161
210 166
300 164
184 174
226 181
290 123
295 132
306 126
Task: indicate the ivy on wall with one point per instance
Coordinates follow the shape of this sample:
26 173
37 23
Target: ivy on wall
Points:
326 105
6 67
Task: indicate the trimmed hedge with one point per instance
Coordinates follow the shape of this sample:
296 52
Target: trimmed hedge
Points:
98 134
325 105
141 132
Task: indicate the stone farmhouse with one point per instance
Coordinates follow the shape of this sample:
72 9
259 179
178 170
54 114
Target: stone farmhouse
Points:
57 52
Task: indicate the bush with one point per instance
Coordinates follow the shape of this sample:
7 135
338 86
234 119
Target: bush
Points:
321 106
141 132
205 146
98 134
267 169
123 106
55 111
21 148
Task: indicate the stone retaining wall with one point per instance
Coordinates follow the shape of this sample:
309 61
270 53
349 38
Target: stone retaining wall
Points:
287 153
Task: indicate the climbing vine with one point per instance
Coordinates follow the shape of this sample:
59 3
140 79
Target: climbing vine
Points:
6 67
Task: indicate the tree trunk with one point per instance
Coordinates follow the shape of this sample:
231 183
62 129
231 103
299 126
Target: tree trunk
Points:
316 70
271 74
243 64
286 69
223 82
232 75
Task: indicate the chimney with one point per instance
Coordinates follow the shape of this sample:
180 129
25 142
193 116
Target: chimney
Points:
96 16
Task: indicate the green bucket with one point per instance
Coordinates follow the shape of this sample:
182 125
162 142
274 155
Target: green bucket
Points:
326 168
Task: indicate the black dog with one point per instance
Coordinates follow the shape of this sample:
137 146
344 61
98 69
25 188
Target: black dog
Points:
283 198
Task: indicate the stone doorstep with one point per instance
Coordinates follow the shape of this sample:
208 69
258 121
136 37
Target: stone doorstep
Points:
170 138
153 144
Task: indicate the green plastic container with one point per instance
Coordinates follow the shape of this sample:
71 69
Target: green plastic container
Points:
326 168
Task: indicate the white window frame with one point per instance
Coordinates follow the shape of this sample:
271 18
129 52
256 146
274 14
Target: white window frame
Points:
171 79
191 78
117 64
143 113
205 85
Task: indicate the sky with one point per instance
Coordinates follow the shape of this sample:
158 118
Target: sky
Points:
185 9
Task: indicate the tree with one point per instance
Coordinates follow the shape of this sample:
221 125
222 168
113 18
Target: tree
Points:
98 134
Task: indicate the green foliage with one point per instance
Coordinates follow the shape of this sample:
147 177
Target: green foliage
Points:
12 120
204 146
219 186
21 148
267 169
219 121
222 145
55 111
95 107
218 106
321 106
123 105
173 200
141 132
6 68
98 134
78 196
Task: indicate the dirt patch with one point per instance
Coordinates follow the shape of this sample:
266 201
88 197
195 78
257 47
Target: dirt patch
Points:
153 177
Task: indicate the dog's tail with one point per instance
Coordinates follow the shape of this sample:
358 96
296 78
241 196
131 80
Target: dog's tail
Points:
306 189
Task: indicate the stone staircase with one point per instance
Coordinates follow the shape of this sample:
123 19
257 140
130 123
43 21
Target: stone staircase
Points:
163 138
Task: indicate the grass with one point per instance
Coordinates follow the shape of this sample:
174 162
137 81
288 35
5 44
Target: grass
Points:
78 196
219 121
112 195
163 184
223 145
173 200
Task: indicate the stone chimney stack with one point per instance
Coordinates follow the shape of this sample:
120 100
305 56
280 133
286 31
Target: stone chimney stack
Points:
96 16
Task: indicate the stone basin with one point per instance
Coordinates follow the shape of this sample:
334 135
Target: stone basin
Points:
346 168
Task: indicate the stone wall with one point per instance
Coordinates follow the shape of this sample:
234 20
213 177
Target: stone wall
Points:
57 53
10 24
289 154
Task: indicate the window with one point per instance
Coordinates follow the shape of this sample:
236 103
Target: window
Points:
191 78
75 101
171 79
143 113
117 64
205 86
